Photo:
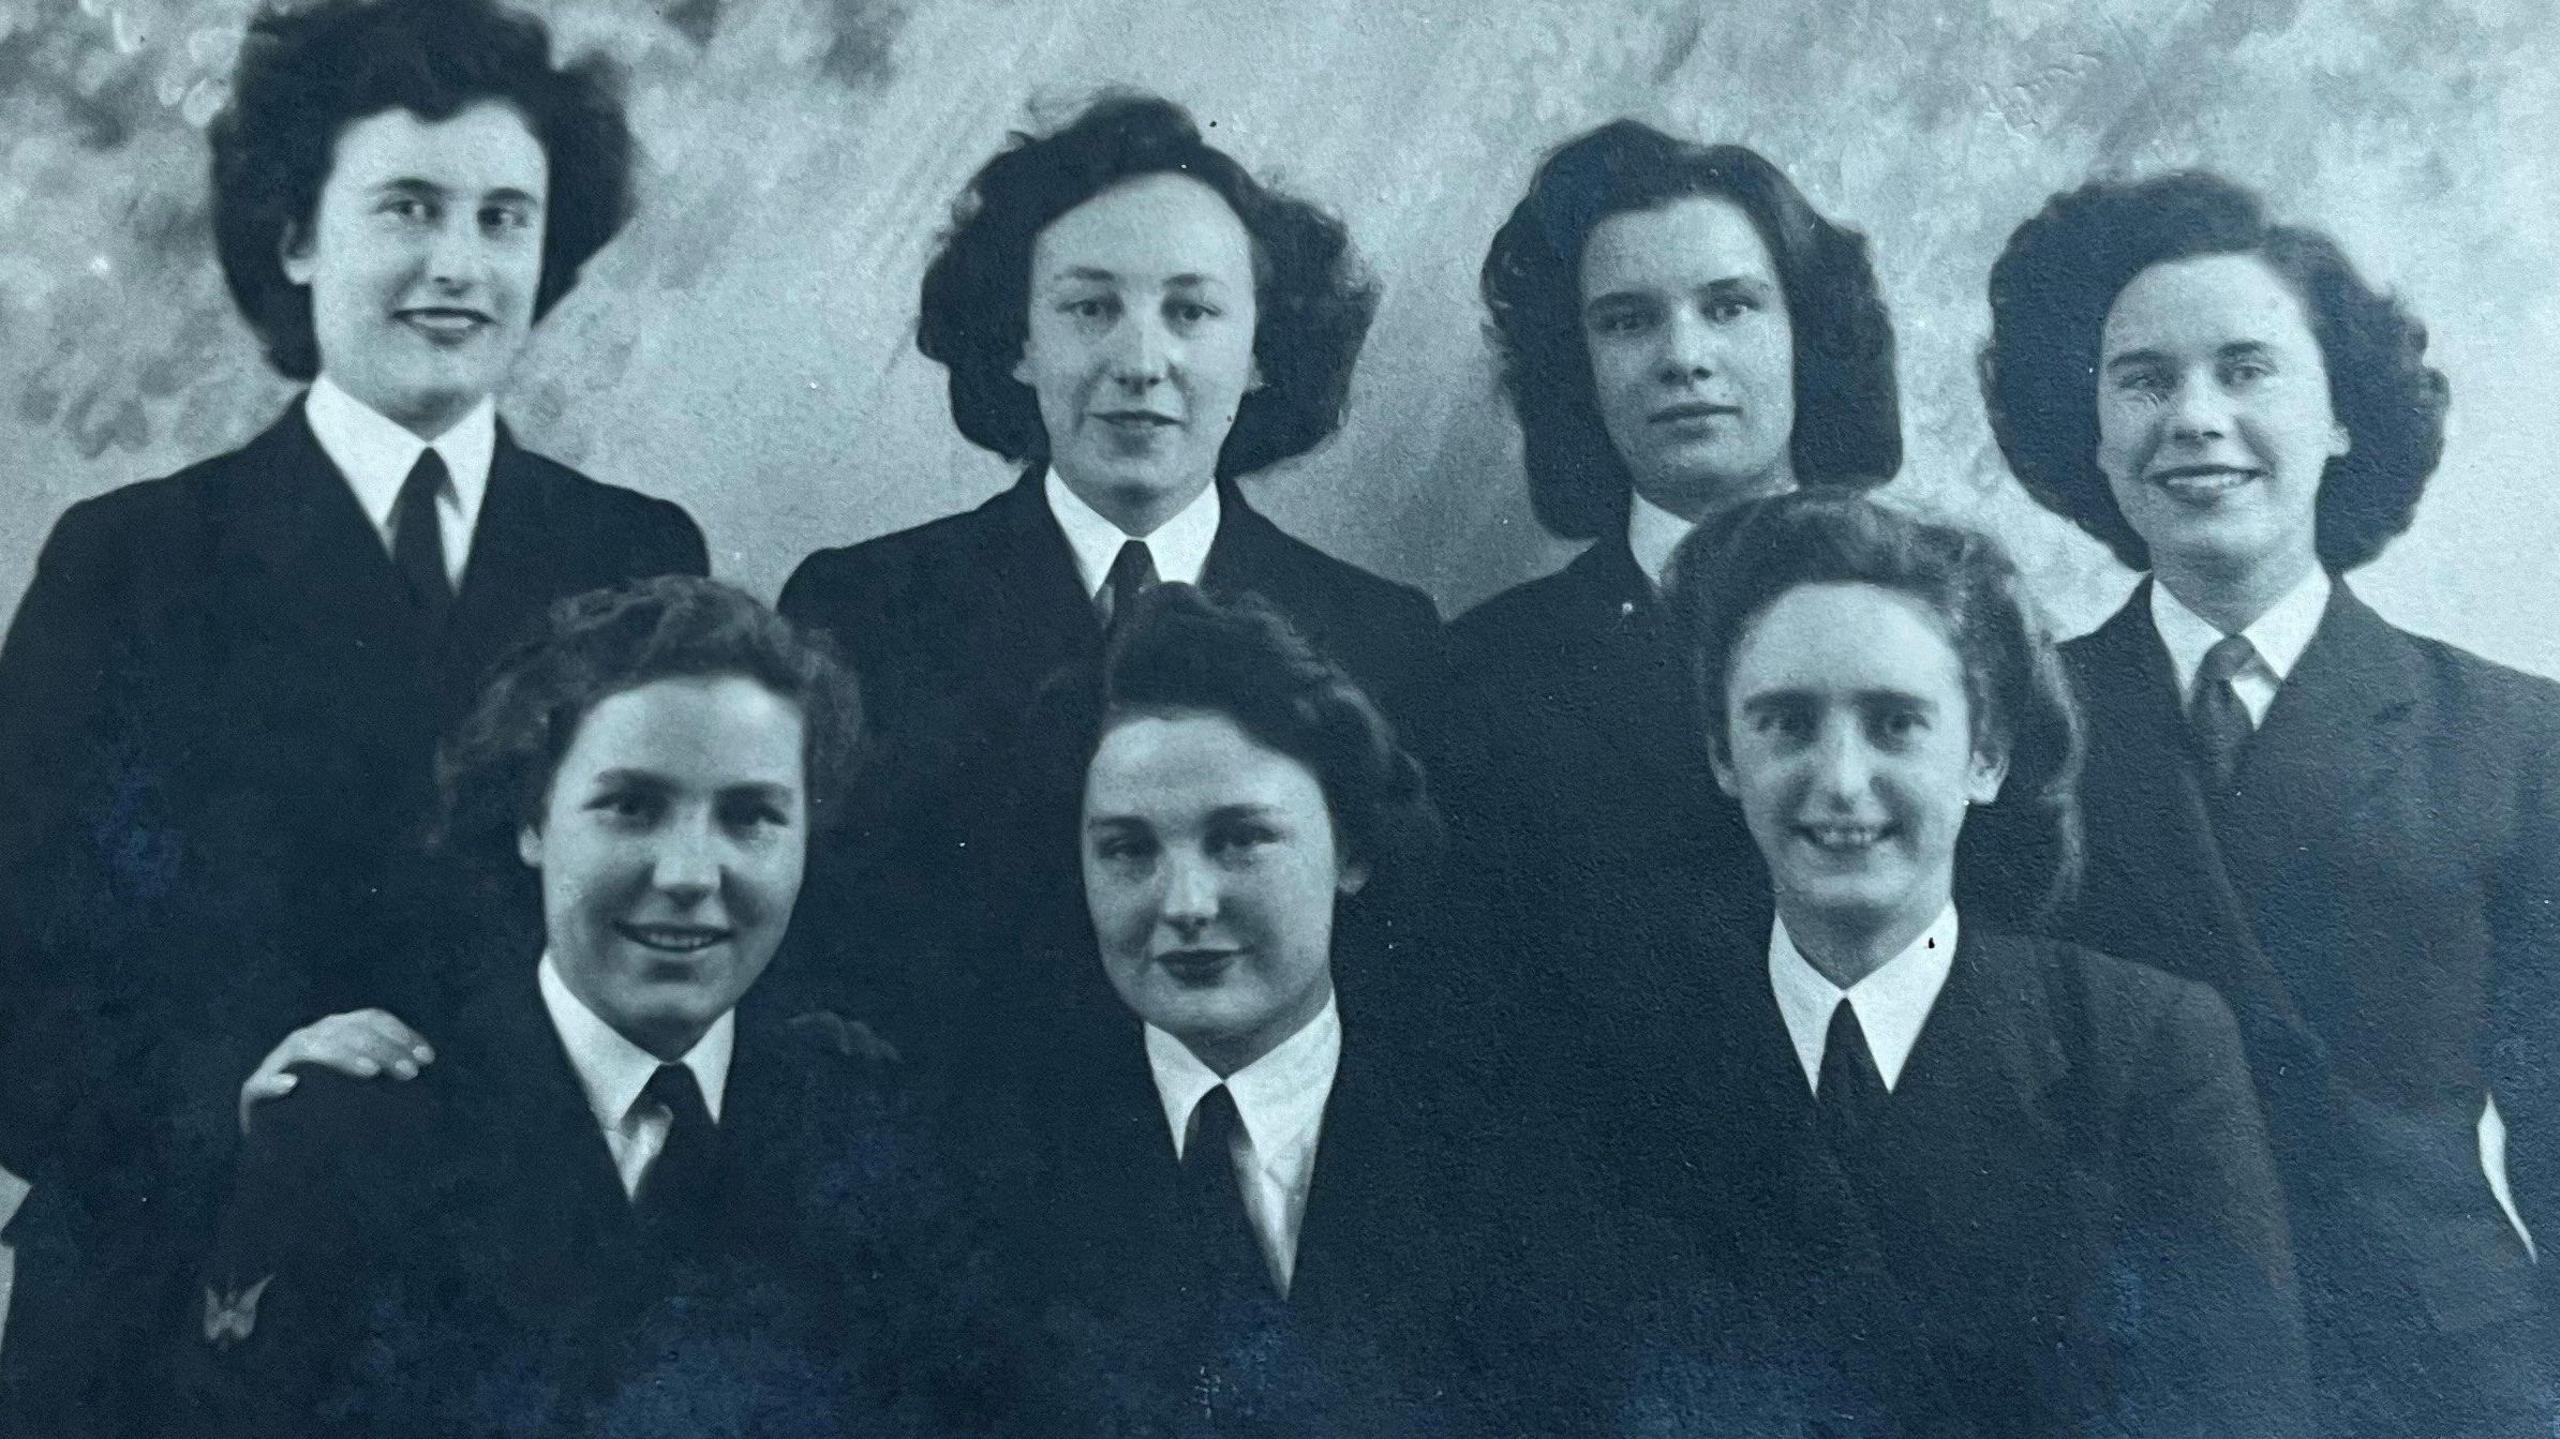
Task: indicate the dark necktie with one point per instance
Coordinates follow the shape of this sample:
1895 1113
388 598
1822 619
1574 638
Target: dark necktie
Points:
2220 721
676 1200
1850 1092
1133 573
417 538
1231 1257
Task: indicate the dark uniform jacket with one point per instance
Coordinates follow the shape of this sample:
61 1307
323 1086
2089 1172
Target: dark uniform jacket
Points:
2380 903
218 711
955 627
454 1256
2064 1221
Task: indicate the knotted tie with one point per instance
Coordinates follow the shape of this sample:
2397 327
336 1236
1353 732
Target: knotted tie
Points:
417 537
1133 573
1850 1092
1231 1256
676 1200
2220 721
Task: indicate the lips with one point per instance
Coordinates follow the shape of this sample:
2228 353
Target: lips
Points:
2203 482
1843 839
672 938
1137 420
1195 965
1690 411
443 323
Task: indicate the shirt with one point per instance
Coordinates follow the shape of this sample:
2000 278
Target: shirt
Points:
1654 535
2279 636
1179 546
612 1071
376 454
1891 1003
1280 1100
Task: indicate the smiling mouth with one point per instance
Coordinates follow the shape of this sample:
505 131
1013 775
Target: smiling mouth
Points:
444 324
1142 420
1194 965
2203 482
672 938
1844 839
1691 411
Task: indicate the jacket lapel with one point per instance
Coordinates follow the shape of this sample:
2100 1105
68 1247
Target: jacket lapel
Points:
2334 735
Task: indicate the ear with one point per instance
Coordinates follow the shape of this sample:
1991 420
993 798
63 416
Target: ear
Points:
1983 779
529 846
293 251
1022 363
1355 874
2339 440
1720 759
1253 381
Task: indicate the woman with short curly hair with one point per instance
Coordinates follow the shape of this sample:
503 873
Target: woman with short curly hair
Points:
2352 831
1139 322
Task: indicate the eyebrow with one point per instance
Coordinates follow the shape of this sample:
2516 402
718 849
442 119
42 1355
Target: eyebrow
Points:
1753 285
1097 275
411 184
2133 359
1864 699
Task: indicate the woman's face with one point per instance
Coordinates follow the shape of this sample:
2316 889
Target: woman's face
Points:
1140 343
671 846
1851 749
2214 424
1692 356
1210 868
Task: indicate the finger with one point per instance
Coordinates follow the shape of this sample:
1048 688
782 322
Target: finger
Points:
386 1031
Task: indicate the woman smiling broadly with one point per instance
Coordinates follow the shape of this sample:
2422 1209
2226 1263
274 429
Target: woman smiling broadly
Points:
1678 331
1138 322
2352 831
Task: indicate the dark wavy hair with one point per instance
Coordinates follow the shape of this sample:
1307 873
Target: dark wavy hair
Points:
1182 651
1848 412
2019 857
306 74
494 770
2051 290
1313 297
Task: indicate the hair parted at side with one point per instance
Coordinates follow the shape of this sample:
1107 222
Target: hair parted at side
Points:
494 769
2058 278
1848 427
1742 561
305 74
1313 297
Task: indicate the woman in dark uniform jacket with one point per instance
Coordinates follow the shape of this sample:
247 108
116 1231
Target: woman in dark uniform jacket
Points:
1138 322
1678 330
2352 831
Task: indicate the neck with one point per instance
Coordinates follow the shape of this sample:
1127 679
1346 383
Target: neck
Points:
1694 500
1847 950
1136 511
2230 600
1226 1054
667 1045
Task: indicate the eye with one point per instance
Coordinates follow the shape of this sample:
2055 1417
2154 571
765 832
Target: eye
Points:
1621 321
1189 312
2144 384
753 816
1725 309
1896 728
506 219
410 208
1241 839
1090 307
1124 849
2240 374
1792 725
628 808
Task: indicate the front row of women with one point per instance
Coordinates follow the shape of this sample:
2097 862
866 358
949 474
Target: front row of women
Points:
1866 1163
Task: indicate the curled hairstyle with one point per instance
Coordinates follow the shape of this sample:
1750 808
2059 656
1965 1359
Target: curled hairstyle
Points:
305 75
1180 651
494 771
2054 284
1848 426
1313 299
2019 698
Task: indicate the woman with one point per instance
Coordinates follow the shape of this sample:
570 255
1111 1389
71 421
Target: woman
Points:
2351 831
621 1200
1139 323
1665 313
1235 1207
1965 1182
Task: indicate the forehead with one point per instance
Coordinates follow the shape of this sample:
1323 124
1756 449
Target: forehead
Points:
1171 767
1839 639
482 147
1151 227
2207 300
710 733
1691 242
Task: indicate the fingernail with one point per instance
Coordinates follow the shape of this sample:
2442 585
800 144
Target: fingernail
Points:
287 1081
405 1070
424 1053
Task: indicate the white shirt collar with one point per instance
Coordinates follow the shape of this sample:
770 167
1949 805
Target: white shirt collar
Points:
1654 534
1892 1003
611 1069
1279 1097
2279 636
1179 546
376 453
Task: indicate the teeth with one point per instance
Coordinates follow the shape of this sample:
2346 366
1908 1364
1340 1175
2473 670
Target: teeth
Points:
683 940
1843 836
2210 484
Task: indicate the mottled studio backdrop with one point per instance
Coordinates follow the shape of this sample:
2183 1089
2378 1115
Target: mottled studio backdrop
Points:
745 346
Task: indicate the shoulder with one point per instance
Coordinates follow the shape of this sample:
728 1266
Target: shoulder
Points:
2128 1012
910 569
2487 699
604 511
1501 630
1331 595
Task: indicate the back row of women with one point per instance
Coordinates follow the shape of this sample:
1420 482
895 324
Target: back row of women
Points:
1751 1060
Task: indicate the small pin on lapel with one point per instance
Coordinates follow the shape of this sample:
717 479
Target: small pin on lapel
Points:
228 1318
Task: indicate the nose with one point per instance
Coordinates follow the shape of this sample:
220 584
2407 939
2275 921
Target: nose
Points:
455 259
1688 347
1141 354
2200 410
685 861
1190 894
1842 764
